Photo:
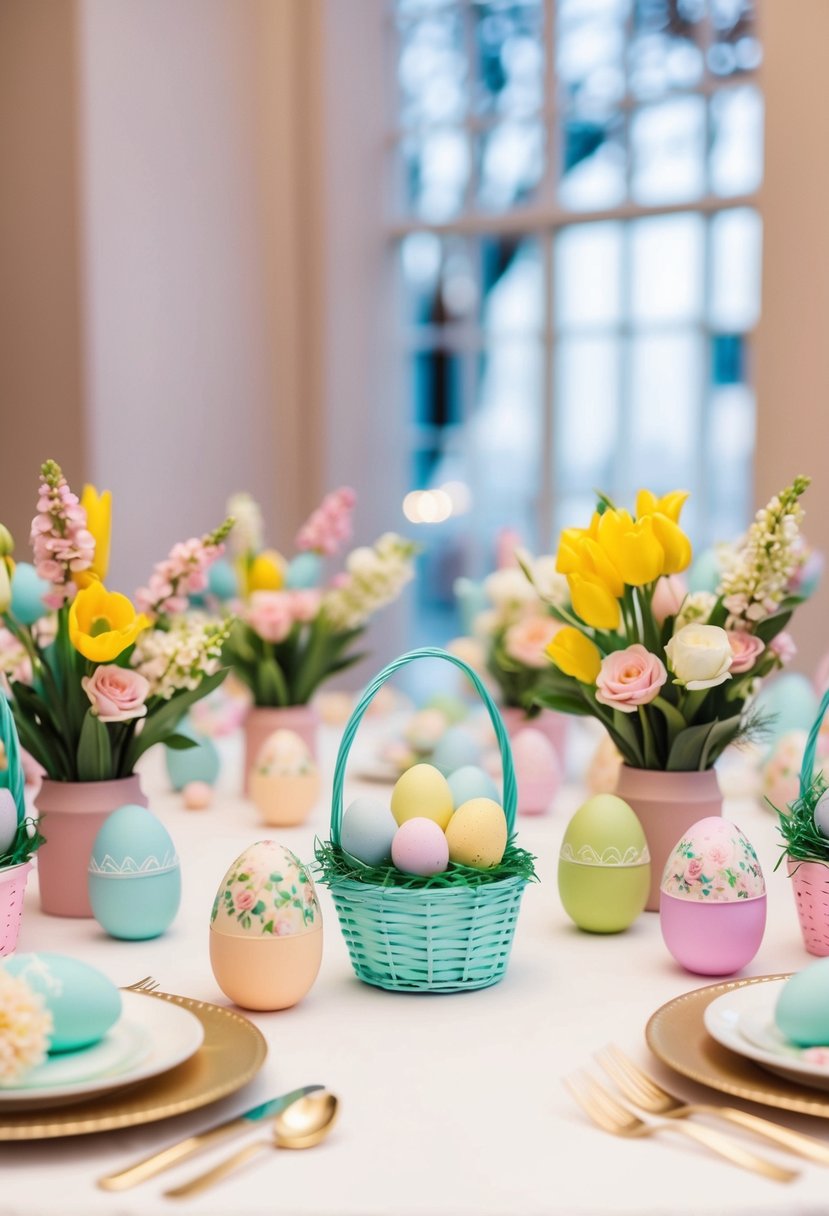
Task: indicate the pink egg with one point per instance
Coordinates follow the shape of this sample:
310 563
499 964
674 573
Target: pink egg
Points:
537 770
197 795
420 847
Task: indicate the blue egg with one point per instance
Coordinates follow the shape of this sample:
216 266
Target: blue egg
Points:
705 573
472 782
367 831
303 572
802 1010
83 1003
134 875
789 702
222 581
199 763
472 600
455 749
28 590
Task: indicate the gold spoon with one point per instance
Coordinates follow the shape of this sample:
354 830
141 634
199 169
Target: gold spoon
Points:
303 1124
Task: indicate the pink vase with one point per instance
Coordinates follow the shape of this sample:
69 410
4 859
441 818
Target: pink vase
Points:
12 890
71 814
667 805
262 721
810 883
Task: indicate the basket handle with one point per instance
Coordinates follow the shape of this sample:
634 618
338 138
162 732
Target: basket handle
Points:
807 768
425 652
12 777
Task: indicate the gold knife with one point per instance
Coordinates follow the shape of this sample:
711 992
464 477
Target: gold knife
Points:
148 1167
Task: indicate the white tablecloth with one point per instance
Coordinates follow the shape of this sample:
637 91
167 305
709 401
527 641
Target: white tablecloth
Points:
450 1104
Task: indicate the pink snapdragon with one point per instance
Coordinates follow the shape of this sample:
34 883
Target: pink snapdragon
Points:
116 694
62 543
746 649
630 678
330 525
181 574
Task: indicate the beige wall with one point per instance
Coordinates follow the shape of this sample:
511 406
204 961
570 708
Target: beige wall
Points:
40 359
792 346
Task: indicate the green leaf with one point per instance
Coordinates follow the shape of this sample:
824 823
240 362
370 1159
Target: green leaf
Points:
686 753
162 721
768 629
180 743
94 750
623 728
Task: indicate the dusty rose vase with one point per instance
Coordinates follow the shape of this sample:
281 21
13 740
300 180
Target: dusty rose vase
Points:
261 722
667 805
71 814
810 883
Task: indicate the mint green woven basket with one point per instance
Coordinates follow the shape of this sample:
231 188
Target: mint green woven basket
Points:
446 939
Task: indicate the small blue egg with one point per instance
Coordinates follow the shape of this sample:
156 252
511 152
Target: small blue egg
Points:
705 573
802 1010
303 572
367 831
28 590
790 703
83 1003
456 749
472 782
199 763
134 875
222 581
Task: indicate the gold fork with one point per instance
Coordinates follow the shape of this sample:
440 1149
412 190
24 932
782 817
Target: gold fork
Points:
148 984
617 1119
645 1093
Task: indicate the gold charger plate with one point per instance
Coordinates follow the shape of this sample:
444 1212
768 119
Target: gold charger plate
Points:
676 1034
232 1053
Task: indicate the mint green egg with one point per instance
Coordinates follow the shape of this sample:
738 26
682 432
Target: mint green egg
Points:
198 763
802 1010
83 1003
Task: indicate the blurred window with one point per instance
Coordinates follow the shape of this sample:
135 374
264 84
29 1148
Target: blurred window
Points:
578 257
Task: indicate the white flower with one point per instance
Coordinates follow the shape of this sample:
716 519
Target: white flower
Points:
375 577
696 609
247 535
700 656
181 656
25 1028
510 589
550 585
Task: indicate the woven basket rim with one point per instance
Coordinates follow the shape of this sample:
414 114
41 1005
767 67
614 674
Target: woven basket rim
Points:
511 882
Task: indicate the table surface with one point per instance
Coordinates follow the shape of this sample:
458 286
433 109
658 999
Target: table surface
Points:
450 1104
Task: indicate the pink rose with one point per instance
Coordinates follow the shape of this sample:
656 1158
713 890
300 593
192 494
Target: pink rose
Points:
245 900
785 648
269 615
630 678
693 869
116 694
527 640
745 648
668 595
720 854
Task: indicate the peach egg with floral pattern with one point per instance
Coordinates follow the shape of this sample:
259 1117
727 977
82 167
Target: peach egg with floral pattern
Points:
712 905
266 929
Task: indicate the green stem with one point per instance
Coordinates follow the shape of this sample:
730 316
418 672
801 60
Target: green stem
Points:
649 742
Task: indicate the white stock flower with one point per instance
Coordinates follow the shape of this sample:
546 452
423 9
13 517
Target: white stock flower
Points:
700 656
510 589
247 535
695 610
180 657
375 577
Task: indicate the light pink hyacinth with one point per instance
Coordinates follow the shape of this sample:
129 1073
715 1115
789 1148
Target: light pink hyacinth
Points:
785 647
330 525
527 640
630 678
746 649
62 543
181 574
117 694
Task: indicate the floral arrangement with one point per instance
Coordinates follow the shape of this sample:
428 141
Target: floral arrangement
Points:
669 674
513 627
95 681
25 1028
292 631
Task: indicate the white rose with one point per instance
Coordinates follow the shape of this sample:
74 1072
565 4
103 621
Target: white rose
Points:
549 584
509 588
700 656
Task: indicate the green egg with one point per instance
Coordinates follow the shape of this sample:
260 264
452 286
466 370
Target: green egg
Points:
604 868
802 1010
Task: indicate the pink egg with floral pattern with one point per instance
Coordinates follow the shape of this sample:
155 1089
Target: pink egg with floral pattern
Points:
712 904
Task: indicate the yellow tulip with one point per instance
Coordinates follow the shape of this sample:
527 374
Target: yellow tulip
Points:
669 504
98 509
580 553
6 572
266 572
674 542
632 547
103 623
575 655
593 602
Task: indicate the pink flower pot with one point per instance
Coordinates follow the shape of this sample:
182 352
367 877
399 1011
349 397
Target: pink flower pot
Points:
71 815
667 804
810 883
12 890
261 722
712 938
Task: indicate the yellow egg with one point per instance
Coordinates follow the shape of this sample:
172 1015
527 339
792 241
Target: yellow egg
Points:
422 793
477 834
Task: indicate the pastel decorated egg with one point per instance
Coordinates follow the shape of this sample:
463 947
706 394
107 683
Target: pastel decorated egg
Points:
712 903
455 749
424 729
304 571
284 782
28 590
802 1009
789 702
9 820
367 831
134 875
472 782
604 868
198 763
266 929
537 770
477 834
420 847
422 793
222 581
83 1003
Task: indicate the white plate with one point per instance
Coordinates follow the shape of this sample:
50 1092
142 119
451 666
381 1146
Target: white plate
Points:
743 1021
150 1037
